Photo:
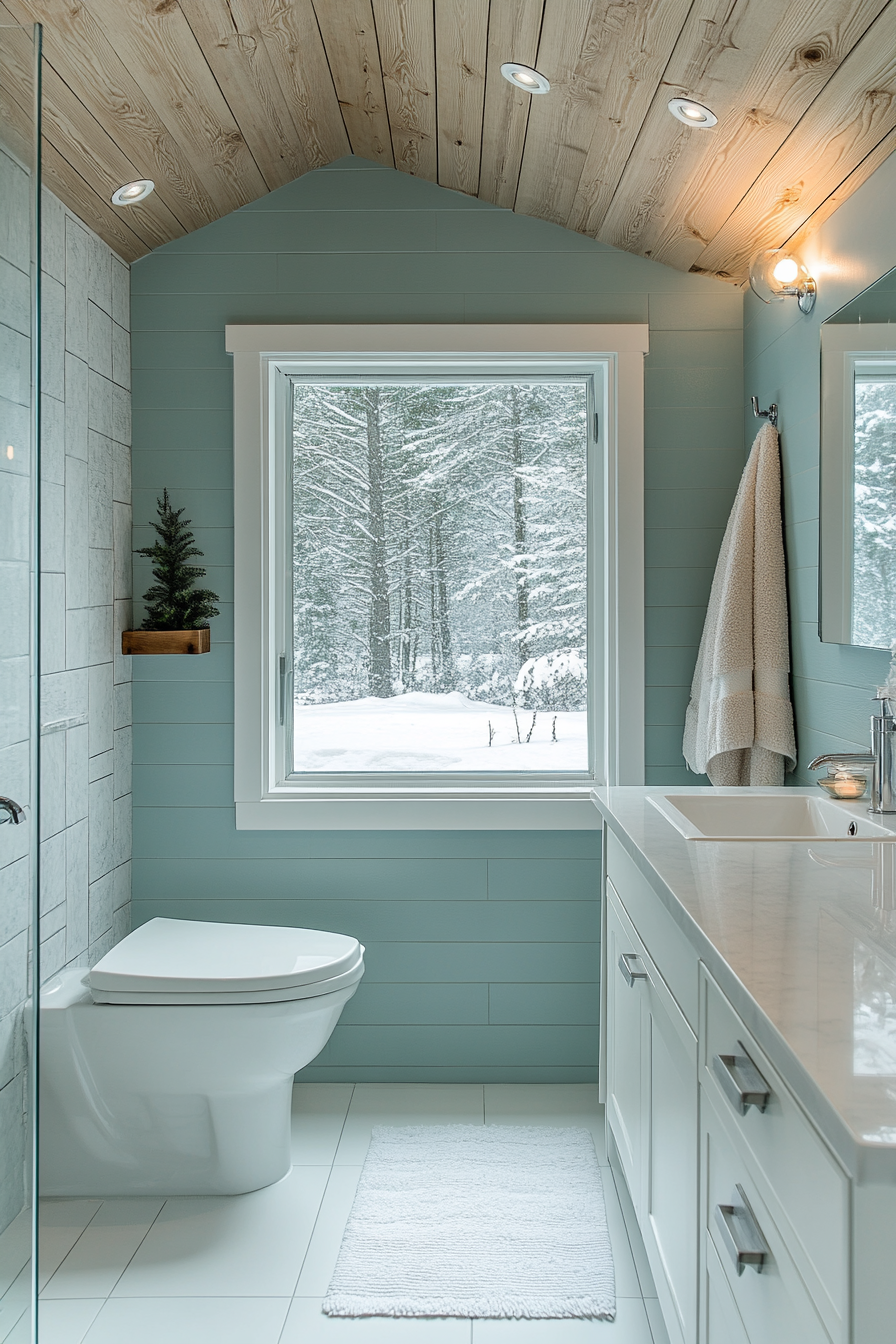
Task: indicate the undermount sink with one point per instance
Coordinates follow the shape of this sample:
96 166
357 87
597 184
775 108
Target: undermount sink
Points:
780 816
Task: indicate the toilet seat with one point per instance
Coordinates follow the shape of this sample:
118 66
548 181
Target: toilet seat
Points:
182 961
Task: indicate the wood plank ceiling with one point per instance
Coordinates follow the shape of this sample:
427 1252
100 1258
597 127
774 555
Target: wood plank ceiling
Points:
220 101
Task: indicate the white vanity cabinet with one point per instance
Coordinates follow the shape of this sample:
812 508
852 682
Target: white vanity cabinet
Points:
651 1099
713 1178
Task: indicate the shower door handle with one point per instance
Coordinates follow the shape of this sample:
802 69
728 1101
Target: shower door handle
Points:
14 812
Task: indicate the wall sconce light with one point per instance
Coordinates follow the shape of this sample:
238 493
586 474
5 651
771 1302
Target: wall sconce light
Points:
776 275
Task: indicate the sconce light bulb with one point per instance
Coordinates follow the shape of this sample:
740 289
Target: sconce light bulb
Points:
786 271
10 451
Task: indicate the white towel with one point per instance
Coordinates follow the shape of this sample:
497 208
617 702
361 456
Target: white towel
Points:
739 723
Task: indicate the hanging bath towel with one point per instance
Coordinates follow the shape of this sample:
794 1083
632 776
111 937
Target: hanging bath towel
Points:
739 723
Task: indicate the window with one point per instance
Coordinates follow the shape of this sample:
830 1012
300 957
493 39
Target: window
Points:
873 523
439 575
426 539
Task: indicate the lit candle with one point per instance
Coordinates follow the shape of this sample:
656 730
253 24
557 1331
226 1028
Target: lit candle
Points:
847 786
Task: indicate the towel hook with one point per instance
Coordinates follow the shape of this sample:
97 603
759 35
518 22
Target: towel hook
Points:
771 415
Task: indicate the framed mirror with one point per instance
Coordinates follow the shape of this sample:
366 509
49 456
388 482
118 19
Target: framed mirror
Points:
857 544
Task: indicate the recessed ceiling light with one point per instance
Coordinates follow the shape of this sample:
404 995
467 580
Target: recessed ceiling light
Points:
132 192
692 114
524 77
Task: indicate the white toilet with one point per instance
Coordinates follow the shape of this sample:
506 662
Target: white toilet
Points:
168 1068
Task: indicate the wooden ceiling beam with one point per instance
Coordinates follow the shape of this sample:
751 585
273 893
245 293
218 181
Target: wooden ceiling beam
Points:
759 69
514 28
407 56
349 37
461 35
849 118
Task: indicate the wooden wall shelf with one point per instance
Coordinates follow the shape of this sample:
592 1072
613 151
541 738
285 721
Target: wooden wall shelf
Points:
166 641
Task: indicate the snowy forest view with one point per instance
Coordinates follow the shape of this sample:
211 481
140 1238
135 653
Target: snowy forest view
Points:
439 576
874 526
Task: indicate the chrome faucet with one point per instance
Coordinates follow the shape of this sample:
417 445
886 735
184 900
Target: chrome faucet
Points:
881 757
14 813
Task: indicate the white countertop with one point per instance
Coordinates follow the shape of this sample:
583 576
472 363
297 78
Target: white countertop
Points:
802 938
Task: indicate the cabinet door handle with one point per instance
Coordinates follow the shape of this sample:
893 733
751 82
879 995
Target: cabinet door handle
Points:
741 1234
631 975
741 1081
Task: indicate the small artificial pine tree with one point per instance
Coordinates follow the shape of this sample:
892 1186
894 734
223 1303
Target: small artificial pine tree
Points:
172 603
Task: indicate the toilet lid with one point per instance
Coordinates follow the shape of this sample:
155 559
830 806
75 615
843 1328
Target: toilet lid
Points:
185 956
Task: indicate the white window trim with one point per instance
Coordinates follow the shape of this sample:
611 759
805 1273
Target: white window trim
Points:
264 804
842 347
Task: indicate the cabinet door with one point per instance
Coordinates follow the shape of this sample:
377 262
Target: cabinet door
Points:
723 1322
623 1072
670 1144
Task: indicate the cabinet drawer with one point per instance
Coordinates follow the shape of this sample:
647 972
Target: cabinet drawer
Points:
664 940
772 1301
799 1179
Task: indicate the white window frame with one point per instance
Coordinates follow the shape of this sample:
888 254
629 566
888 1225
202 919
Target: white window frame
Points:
264 798
842 348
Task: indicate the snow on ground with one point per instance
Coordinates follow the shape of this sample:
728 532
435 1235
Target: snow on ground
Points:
424 731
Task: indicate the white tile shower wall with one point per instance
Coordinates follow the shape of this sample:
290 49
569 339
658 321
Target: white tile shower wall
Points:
86 565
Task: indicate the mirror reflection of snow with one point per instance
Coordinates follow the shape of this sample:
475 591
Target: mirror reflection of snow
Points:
429 731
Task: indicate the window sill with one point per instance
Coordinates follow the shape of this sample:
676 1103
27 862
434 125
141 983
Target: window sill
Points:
564 809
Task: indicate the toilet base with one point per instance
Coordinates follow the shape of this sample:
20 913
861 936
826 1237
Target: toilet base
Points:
170 1100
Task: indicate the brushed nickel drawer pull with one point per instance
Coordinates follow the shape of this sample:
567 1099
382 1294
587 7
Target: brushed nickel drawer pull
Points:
741 1236
741 1081
626 969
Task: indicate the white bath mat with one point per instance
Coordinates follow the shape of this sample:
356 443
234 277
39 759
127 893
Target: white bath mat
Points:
479 1221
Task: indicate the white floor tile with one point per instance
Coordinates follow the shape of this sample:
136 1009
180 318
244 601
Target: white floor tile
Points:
102 1252
15 1249
318 1117
395 1104
657 1324
61 1322
189 1320
229 1246
222 1271
15 1303
20 1332
306 1324
630 1327
61 1223
326 1239
573 1104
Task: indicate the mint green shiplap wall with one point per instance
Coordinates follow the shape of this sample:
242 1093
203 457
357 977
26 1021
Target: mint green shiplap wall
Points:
832 683
482 947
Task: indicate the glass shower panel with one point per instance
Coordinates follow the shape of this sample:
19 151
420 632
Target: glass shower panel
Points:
19 665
